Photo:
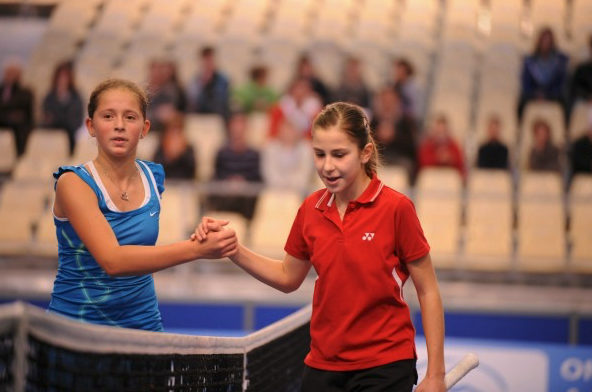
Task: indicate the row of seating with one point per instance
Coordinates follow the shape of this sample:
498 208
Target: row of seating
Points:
47 149
488 225
122 38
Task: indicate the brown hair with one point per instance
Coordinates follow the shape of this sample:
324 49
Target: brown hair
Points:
542 123
352 120
113 84
546 30
67 66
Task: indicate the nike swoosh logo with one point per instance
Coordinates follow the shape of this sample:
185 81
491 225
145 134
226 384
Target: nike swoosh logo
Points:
153 213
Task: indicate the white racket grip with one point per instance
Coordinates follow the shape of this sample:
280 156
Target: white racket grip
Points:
468 363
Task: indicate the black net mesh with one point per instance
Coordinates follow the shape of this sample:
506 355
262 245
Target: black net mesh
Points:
53 369
277 365
6 361
61 355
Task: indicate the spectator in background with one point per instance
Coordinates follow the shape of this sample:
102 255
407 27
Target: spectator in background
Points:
395 131
493 153
543 73
256 95
209 93
166 94
237 164
405 85
287 160
544 155
581 152
16 105
305 70
440 149
352 88
62 106
174 152
581 83
299 106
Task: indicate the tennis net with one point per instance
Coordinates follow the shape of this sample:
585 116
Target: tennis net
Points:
40 351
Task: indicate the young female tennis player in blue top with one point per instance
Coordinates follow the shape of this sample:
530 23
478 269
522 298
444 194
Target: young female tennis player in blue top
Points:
364 241
106 213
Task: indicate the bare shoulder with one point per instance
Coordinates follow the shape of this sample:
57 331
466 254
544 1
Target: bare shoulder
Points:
71 190
70 181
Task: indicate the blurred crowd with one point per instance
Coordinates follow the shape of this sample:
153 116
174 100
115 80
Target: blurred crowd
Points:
405 137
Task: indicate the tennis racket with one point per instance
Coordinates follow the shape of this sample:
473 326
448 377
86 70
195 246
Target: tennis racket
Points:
468 363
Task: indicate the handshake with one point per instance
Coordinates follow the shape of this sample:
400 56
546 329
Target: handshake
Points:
214 240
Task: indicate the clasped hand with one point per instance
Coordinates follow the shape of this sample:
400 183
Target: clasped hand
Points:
217 240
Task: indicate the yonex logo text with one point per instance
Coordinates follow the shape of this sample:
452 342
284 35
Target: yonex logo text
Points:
368 237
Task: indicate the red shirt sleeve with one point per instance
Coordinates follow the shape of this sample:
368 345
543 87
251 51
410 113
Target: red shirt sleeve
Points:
410 242
296 245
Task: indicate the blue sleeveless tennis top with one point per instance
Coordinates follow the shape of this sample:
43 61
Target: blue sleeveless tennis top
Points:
82 289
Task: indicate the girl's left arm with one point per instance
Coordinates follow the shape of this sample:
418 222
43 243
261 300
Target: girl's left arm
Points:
432 315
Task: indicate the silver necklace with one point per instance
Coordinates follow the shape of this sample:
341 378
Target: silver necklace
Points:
124 196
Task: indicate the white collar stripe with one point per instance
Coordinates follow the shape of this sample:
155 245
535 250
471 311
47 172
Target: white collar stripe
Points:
321 199
331 200
377 192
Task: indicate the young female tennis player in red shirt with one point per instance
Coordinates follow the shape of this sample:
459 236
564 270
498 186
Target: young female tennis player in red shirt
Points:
364 240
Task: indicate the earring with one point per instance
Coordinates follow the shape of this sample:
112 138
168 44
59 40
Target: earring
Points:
92 135
141 136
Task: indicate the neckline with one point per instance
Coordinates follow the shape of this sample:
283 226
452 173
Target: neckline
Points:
108 201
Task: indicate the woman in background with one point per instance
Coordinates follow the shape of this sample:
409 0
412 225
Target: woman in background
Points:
62 106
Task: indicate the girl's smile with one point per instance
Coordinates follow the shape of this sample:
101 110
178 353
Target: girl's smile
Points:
340 163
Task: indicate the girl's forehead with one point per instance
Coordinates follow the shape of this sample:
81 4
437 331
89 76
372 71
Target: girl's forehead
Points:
333 137
119 96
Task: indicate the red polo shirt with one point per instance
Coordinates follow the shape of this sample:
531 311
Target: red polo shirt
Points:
359 318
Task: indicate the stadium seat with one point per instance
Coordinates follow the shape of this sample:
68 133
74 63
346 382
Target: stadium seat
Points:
580 212
84 150
580 120
580 29
456 107
547 185
15 233
207 134
47 142
258 129
549 13
440 220
45 243
27 198
439 180
496 183
272 220
489 221
8 148
46 150
179 213
460 22
541 223
395 177
438 201
489 238
418 19
541 236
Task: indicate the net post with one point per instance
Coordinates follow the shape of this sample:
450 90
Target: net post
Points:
20 347
245 379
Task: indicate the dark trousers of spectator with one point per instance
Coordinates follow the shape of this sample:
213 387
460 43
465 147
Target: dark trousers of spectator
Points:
244 205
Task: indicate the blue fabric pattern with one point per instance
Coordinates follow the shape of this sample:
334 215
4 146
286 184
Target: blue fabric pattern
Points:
82 289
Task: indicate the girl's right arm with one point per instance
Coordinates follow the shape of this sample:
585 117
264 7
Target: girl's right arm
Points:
285 276
78 203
